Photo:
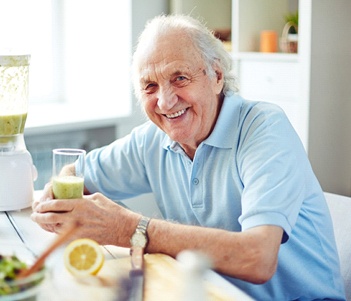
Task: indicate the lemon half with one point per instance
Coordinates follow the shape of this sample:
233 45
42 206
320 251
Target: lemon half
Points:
83 257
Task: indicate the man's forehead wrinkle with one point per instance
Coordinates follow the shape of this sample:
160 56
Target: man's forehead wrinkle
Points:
156 71
150 73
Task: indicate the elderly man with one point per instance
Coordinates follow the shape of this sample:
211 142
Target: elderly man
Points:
230 176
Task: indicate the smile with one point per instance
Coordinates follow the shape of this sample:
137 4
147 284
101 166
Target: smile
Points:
176 114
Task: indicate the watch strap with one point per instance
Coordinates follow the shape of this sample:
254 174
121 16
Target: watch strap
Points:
141 229
137 252
143 224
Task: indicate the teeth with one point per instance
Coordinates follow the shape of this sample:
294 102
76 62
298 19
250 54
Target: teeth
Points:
174 115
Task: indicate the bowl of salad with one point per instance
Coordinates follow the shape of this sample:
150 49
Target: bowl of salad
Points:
14 288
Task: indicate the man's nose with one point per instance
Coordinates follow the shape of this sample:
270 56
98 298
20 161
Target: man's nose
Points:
166 99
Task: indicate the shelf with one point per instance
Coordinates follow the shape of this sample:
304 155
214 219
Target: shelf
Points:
260 56
251 17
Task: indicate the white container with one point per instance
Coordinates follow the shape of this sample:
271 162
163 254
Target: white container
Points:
17 171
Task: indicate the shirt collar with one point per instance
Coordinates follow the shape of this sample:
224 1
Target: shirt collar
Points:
225 129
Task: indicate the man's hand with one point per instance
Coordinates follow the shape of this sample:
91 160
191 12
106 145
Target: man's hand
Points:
46 196
99 218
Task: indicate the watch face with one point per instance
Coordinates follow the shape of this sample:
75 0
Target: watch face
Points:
138 239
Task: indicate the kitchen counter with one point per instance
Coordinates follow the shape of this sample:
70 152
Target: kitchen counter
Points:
58 117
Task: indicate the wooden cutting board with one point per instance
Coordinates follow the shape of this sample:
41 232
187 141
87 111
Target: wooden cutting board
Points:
163 278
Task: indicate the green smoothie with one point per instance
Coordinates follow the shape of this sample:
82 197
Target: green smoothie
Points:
68 187
12 124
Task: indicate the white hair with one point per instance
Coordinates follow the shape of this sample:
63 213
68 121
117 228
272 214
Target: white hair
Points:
210 48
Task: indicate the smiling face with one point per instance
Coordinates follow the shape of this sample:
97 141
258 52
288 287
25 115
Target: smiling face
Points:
176 92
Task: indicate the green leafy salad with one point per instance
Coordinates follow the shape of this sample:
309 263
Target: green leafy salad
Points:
10 267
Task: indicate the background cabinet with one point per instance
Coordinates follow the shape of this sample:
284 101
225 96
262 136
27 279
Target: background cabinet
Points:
265 78
312 86
250 17
271 77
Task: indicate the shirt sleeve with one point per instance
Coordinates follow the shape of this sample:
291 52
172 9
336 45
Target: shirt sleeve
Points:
271 162
117 170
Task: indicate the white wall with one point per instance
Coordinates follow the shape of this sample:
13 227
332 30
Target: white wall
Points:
141 12
217 14
330 95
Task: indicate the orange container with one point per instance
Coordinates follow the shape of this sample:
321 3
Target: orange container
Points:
268 41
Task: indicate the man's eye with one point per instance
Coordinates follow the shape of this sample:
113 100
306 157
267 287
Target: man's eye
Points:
181 81
150 88
180 78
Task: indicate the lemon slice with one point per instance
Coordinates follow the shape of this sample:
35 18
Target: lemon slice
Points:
83 257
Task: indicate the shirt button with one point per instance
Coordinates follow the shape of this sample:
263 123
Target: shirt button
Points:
196 181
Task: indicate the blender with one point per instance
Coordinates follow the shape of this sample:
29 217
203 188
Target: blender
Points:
17 171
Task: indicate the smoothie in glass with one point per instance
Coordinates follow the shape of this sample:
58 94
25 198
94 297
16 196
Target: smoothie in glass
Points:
67 187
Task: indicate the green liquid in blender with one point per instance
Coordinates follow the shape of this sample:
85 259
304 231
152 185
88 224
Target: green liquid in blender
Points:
68 187
12 124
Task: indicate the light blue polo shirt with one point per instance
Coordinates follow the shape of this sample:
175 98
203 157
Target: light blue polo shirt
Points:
252 170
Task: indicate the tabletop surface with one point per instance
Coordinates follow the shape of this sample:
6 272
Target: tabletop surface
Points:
21 236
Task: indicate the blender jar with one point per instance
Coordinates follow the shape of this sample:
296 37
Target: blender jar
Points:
17 171
14 73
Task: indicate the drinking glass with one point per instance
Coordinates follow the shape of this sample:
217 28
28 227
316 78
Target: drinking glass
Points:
68 182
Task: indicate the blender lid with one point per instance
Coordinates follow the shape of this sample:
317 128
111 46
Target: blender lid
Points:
13 60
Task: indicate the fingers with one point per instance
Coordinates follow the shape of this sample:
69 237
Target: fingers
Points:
55 206
47 192
48 213
48 218
34 204
54 228
47 195
45 222
53 215
48 227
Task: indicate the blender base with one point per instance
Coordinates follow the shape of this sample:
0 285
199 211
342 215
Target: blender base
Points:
17 174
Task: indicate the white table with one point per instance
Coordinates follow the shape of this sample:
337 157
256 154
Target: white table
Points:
20 235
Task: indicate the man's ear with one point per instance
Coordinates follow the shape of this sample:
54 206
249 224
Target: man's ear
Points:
219 81
219 75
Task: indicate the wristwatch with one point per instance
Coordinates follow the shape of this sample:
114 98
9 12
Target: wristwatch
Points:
140 238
